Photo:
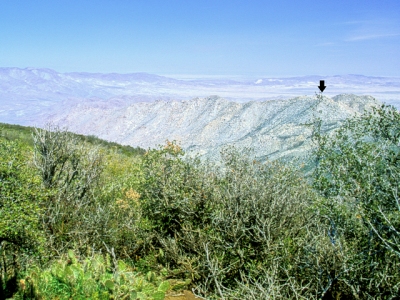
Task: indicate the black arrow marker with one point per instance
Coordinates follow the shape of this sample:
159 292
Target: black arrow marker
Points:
321 85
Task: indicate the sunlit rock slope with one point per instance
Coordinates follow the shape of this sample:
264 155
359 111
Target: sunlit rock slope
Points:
273 129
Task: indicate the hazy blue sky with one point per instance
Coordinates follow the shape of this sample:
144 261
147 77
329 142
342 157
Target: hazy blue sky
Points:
228 37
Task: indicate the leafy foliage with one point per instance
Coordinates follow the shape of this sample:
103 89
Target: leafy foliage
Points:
241 221
20 209
174 191
20 196
358 174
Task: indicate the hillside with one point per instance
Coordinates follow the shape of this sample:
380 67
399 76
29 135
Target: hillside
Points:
204 126
23 134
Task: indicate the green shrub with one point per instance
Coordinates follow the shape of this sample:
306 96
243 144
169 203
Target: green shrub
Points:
21 235
236 223
70 171
118 201
174 191
261 222
20 196
358 173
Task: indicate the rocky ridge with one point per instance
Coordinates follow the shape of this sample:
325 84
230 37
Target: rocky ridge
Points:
273 129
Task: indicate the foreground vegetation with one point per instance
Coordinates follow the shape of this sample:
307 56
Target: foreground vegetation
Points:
83 219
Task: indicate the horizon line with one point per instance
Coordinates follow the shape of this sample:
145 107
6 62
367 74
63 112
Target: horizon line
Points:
193 76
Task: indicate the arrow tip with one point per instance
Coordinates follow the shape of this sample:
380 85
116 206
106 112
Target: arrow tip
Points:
322 85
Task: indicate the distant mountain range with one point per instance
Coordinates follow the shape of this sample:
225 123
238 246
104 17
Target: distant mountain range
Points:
50 87
140 109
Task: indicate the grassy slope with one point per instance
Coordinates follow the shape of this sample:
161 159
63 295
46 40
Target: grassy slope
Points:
24 134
